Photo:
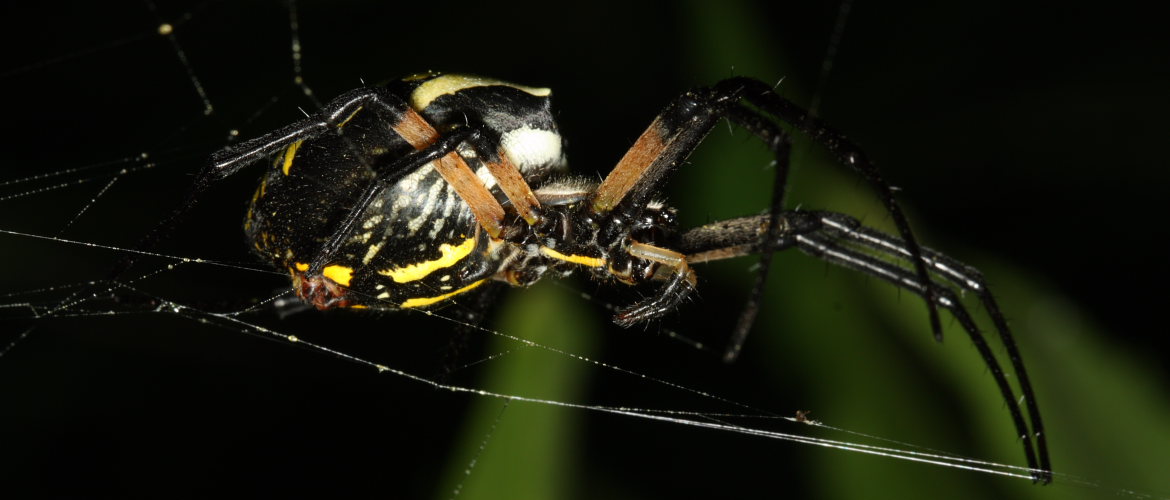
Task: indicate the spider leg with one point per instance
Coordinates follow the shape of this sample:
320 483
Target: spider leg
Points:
825 235
847 153
683 124
678 286
232 159
669 139
336 112
386 175
454 169
430 146
508 177
781 146
667 142
423 137
966 278
826 249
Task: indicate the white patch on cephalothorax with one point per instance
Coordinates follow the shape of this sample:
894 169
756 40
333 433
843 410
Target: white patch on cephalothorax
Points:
530 147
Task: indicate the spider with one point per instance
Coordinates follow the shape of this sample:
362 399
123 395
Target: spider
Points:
410 194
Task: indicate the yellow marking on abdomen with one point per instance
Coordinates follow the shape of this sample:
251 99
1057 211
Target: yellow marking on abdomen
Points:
289 154
583 260
449 84
450 255
426 301
339 274
301 266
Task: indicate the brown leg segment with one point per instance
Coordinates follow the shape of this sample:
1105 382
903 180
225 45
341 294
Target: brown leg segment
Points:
632 167
514 187
420 134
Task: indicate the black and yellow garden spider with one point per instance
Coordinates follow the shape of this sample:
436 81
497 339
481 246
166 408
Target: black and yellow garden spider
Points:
410 194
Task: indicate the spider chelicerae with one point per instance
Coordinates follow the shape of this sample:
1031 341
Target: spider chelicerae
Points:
411 194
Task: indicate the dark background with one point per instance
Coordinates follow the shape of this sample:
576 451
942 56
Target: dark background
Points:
1026 140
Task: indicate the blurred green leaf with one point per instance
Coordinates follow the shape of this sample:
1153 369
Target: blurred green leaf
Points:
518 449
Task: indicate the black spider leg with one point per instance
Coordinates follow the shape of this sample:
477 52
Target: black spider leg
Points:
683 124
386 174
827 249
781 146
671 137
677 288
966 278
623 195
336 112
232 159
821 234
847 153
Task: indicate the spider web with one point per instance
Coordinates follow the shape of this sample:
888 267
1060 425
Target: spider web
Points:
179 375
